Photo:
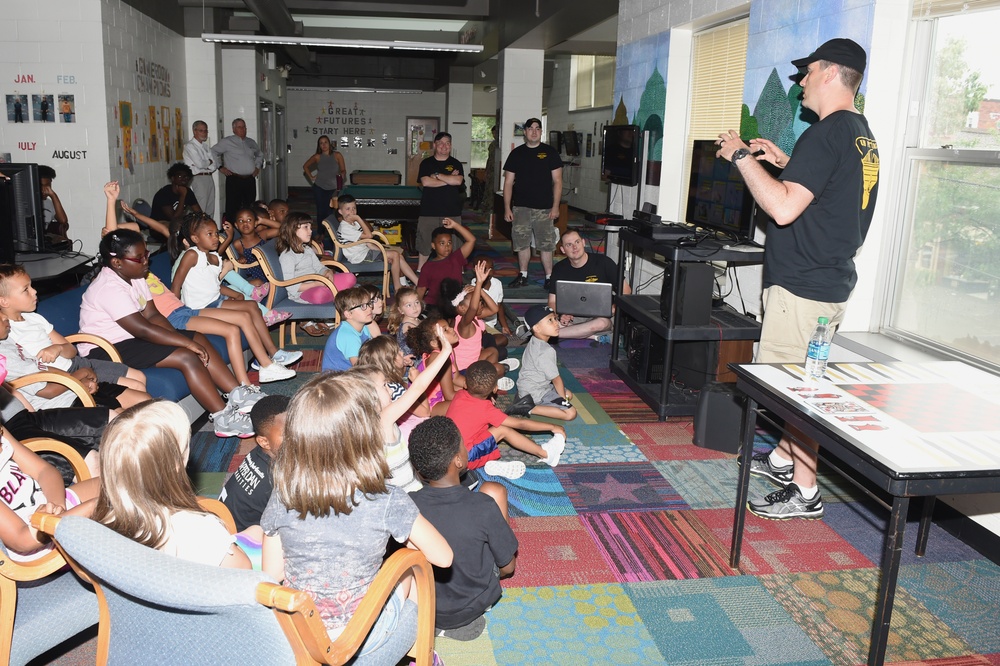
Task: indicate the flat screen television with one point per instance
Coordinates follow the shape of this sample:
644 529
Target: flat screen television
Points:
571 142
21 217
718 199
620 162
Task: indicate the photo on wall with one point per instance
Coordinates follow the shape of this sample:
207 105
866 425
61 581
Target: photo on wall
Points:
41 108
154 139
67 108
124 114
17 108
179 135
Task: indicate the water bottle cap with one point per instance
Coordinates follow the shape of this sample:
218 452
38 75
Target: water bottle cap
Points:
823 320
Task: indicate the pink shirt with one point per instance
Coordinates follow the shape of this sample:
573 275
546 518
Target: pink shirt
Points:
108 299
468 349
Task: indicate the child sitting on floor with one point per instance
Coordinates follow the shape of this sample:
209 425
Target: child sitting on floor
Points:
483 426
424 341
444 262
405 314
355 309
540 388
475 526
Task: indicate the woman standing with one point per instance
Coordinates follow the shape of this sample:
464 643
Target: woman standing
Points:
330 173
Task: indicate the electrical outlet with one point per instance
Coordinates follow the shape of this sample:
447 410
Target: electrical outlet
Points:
576 190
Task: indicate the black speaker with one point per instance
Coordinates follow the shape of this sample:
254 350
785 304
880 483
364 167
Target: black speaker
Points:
644 351
693 305
696 363
719 418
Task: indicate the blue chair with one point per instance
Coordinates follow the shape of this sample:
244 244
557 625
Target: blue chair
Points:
277 298
379 243
158 608
40 605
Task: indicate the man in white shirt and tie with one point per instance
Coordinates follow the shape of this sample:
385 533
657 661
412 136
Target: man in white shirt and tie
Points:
198 156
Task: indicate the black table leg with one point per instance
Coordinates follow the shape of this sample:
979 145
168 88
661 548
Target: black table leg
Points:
891 553
925 525
743 480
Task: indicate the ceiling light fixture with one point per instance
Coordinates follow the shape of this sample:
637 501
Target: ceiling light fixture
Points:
340 43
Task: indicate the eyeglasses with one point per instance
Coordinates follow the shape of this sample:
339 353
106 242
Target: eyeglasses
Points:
137 260
364 306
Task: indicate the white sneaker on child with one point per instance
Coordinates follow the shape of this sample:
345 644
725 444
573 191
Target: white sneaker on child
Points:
285 357
554 448
511 363
244 397
513 469
505 384
275 373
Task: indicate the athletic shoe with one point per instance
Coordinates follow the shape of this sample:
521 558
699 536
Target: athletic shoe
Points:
511 363
275 373
547 284
522 332
260 292
469 632
244 397
405 281
285 357
513 469
562 403
230 423
761 465
505 384
603 339
276 317
553 449
521 407
787 503
519 281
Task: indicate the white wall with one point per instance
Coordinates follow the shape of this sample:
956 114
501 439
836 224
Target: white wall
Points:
363 116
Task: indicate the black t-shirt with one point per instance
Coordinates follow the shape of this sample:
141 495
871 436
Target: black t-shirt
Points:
480 539
598 268
248 489
166 196
441 201
837 160
532 169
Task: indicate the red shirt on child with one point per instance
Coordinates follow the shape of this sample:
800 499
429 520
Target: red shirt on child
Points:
474 417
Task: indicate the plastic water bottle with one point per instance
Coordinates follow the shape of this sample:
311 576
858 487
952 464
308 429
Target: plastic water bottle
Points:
819 350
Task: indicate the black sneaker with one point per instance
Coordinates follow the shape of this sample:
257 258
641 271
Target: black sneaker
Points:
521 407
519 281
760 465
561 402
787 503
548 284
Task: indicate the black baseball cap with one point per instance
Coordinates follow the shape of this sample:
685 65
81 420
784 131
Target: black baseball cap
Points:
841 51
535 314
531 121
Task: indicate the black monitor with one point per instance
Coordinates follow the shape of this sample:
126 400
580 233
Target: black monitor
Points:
21 217
571 142
718 199
556 140
620 162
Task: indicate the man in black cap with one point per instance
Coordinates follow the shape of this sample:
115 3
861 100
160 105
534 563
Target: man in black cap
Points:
821 206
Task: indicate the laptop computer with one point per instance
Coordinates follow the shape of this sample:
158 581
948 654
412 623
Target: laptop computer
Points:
583 299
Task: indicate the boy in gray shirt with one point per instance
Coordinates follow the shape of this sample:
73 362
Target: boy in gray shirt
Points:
540 389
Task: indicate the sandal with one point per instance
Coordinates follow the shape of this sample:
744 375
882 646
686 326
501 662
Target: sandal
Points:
315 329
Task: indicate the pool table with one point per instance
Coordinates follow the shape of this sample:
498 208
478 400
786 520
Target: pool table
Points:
387 205
372 177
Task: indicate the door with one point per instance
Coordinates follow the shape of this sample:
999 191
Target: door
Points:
420 144
266 141
283 149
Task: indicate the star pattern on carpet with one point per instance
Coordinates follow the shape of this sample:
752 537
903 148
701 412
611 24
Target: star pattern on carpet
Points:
611 489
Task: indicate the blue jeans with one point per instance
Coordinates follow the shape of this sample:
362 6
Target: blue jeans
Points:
392 635
323 203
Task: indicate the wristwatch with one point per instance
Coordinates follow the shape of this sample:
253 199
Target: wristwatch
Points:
739 154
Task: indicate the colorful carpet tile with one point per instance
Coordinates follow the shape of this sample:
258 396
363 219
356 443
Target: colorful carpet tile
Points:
618 487
557 550
537 493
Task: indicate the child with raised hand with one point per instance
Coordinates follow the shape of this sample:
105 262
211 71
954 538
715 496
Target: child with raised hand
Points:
146 494
405 314
331 513
483 426
424 340
298 258
248 489
353 228
444 263
540 389
118 306
33 344
393 409
197 284
32 485
474 523
471 307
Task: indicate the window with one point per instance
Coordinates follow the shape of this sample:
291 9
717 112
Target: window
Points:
592 81
718 68
482 136
947 277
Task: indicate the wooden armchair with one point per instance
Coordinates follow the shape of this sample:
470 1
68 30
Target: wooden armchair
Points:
158 607
66 380
378 242
277 298
36 617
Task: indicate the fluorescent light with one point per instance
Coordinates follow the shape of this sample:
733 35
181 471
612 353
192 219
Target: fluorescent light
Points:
328 42
402 91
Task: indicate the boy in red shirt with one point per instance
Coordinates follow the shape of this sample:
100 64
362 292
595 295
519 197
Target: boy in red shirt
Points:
483 426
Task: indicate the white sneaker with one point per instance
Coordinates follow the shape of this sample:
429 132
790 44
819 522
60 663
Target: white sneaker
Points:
285 357
244 397
275 373
230 423
505 384
511 363
513 469
554 448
